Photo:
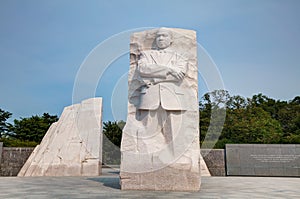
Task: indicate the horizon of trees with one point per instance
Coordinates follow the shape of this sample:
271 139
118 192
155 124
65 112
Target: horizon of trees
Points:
24 132
258 119
255 120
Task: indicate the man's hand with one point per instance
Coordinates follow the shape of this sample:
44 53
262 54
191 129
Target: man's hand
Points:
176 73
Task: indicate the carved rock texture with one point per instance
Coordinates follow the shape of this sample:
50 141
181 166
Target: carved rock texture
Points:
72 146
162 155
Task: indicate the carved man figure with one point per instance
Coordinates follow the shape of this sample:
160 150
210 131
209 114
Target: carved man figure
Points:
162 99
162 71
160 142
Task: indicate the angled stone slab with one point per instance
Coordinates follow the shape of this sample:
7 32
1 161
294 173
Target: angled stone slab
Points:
72 146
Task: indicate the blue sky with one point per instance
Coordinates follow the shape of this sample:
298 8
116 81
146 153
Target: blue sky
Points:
255 45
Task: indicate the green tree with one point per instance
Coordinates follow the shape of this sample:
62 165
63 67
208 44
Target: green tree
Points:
237 102
4 125
251 125
212 109
33 128
286 113
253 120
289 118
205 114
113 131
269 105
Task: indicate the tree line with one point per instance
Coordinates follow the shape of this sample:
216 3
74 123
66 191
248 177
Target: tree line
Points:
24 132
228 119
255 120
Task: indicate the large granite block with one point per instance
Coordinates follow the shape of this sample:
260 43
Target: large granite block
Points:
160 143
72 146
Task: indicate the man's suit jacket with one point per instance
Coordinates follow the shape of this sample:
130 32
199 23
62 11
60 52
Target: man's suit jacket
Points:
160 87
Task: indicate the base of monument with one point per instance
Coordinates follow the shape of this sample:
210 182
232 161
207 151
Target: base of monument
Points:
166 179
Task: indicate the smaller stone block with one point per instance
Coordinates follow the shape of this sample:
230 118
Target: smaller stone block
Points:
72 146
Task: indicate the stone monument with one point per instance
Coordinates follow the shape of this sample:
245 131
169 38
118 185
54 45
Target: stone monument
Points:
72 146
160 143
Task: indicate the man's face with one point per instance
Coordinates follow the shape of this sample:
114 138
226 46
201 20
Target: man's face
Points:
163 39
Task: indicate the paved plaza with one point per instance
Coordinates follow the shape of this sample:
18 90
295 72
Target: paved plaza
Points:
107 186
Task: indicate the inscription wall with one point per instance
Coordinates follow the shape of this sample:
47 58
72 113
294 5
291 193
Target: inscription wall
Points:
12 159
263 159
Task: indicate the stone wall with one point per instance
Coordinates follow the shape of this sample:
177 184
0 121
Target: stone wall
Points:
215 161
263 160
12 159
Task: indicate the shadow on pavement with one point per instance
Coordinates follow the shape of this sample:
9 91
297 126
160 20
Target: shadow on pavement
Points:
108 182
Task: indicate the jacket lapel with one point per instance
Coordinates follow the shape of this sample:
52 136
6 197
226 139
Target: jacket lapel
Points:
162 58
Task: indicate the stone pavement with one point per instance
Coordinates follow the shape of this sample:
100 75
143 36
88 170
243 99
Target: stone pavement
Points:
107 186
